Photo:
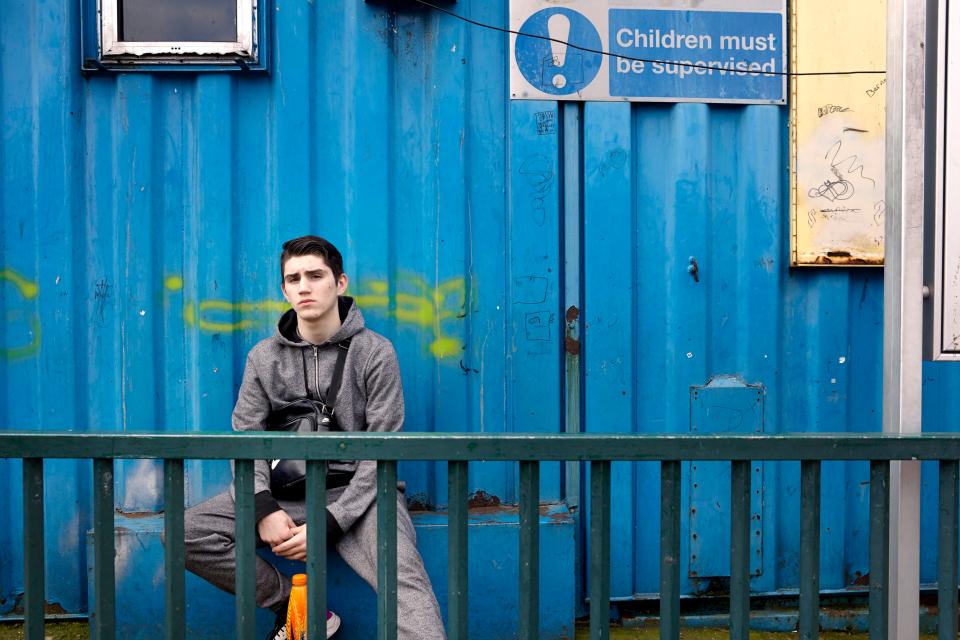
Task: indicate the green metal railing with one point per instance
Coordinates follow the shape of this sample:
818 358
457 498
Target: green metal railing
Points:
457 450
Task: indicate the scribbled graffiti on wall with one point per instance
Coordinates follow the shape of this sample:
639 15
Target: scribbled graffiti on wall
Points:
22 321
414 303
837 137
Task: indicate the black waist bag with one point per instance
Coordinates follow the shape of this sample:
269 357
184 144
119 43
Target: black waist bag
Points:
303 415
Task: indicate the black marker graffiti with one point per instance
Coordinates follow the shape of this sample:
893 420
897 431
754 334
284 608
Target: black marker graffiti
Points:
879 208
827 109
546 123
851 164
833 190
539 174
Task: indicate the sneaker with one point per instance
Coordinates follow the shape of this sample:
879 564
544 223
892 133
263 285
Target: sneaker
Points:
333 623
279 631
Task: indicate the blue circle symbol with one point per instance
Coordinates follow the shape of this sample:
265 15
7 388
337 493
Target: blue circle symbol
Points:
553 67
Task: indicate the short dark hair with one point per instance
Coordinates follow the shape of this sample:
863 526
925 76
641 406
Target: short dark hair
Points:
312 246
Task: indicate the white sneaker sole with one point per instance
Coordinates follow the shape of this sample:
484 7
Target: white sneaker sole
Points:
333 624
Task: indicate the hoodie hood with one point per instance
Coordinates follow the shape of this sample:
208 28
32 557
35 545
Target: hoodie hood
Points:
351 323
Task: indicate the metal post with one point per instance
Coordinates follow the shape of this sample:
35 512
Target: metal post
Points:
386 549
670 550
947 546
33 547
173 561
809 549
879 623
245 537
316 548
457 549
600 550
903 297
740 549
104 577
529 550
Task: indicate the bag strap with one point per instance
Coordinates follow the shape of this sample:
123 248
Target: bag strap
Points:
303 361
334 388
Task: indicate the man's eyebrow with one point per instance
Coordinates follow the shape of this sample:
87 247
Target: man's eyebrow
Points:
312 272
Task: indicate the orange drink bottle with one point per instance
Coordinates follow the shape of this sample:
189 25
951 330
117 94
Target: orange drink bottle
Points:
297 608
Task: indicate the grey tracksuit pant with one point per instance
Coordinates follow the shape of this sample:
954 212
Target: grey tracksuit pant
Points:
209 550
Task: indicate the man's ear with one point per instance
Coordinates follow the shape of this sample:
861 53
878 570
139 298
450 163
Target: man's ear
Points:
342 282
283 290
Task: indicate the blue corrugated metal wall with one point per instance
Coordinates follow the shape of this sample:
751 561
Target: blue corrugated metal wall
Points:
664 185
142 214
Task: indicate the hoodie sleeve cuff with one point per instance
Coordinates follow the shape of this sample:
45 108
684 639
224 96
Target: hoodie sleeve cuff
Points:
334 532
264 504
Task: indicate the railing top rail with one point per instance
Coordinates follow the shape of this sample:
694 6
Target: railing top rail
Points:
474 446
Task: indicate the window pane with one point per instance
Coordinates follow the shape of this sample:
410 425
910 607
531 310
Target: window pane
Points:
178 20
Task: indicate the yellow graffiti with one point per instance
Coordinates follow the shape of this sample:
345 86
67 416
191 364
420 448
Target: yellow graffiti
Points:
199 317
224 316
412 301
416 302
28 290
173 283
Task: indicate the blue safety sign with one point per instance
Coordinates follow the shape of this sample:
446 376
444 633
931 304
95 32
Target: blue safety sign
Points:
720 51
548 62
696 54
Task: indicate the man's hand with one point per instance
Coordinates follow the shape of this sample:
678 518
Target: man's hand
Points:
276 528
296 547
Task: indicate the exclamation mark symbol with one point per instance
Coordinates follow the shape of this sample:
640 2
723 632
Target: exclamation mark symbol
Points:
558 28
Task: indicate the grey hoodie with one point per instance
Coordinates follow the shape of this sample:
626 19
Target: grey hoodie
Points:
283 368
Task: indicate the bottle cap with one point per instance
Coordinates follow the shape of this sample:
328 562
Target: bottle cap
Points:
299 579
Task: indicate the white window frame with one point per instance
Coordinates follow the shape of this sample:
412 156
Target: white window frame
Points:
179 51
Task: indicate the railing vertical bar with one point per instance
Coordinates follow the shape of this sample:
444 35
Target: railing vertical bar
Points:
529 550
33 544
386 549
600 550
879 548
457 549
947 544
104 595
246 589
809 549
173 563
740 549
670 550
316 549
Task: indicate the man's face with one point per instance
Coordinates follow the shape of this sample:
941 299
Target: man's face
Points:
310 288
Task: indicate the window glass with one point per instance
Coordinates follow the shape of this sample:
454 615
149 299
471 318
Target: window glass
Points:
178 20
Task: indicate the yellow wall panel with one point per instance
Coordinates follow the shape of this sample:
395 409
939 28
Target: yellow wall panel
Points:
837 132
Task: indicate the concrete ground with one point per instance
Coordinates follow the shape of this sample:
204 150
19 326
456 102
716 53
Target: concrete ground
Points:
80 631
720 634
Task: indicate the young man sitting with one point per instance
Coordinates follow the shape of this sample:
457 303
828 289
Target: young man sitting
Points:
299 361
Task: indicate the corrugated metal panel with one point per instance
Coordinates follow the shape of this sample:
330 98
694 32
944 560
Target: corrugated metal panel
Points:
669 185
142 216
146 213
